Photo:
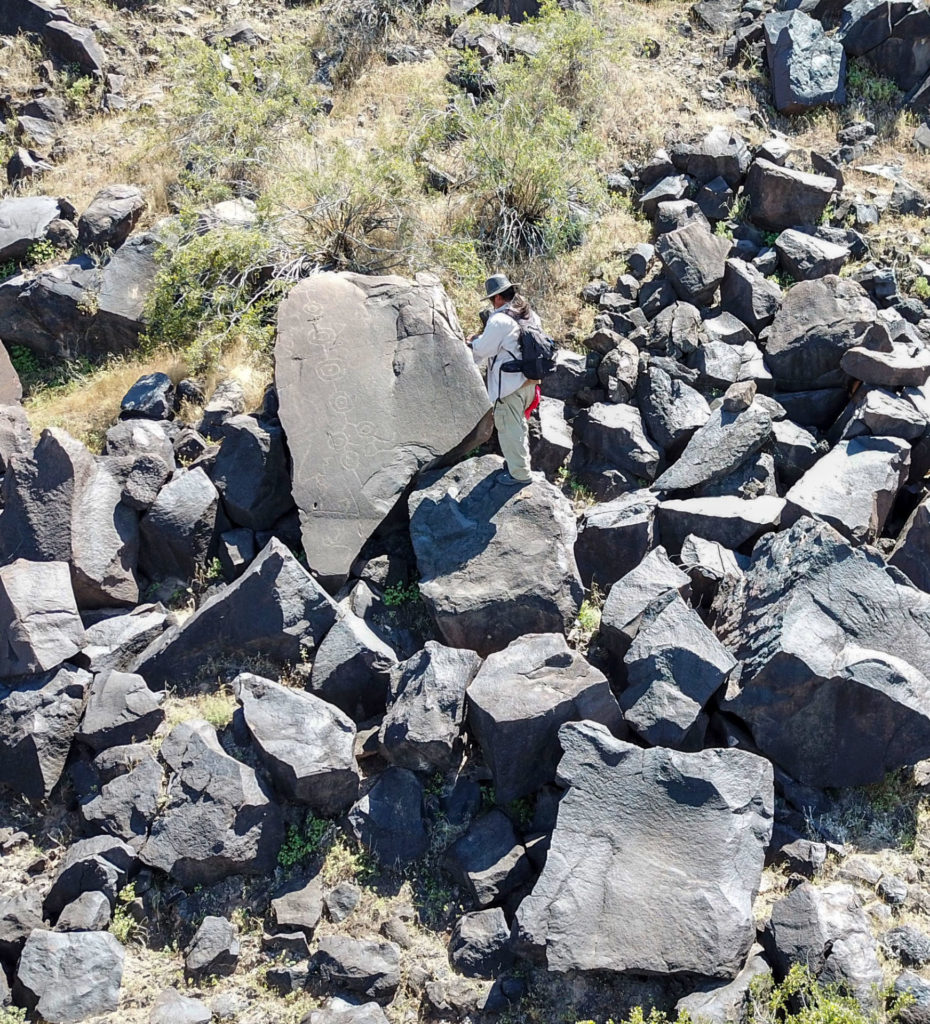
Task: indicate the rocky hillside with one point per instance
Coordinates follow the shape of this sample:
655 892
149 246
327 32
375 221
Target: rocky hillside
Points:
306 717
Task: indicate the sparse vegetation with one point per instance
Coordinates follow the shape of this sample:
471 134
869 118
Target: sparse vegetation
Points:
302 842
401 593
124 927
865 86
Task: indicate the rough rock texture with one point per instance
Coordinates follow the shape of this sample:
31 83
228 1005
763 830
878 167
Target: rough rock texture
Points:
614 537
495 563
213 951
172 1008
807 67
730 521
218 820
121 709
674 666
726 1003
178 533
519 699
362 966
101 864
614 434
750 296
67 977
275 609
480 944
782 198
655 859
11 390
356 423
853 487
488 861
38 617
825 928
23 222
37 723
817 323
306 744
671 409
718 448
694 261
112 214
388 819
833 648
422 728
63 504
910 552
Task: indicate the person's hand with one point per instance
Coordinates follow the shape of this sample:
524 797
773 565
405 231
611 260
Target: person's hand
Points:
471 338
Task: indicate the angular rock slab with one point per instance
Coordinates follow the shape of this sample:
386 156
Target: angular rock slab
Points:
817 323
780 197
518 701
853 487
275 609
910 552
674 666
614 537
219 820
63 504
655 860
68 977
836 658
807 67
38 617
495 562
307 745
374 383
826 929
37 723
422 728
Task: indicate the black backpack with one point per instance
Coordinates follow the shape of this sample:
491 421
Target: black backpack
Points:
537 352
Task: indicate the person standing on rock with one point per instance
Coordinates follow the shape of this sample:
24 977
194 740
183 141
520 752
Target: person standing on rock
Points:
514 396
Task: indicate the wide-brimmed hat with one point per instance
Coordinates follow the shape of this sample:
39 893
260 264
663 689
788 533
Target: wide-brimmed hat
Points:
496 284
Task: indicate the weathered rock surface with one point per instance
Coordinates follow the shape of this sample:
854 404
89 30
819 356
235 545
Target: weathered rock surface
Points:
655 859
275 609
67 977
364 966
834 681
495 563
121 709
63 505
388 819
356 423
807 67
750 296
518 701
23 222
695 261
480 944
817 323
101 864
38 720
111 216
910 551
853 487
423 725
178 533
780 197
218 820
488 861
614 537
614 434
730 521
306 744
826 928
674 666
38 617
213 951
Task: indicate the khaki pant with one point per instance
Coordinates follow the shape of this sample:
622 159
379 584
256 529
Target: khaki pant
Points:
513 430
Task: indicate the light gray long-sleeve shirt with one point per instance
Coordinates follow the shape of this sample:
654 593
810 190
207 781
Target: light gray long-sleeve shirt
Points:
499 342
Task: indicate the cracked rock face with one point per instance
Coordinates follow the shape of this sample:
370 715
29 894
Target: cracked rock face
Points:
374 383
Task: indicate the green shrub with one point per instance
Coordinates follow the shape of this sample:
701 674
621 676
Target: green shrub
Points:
124 927
41 252
303 841
12 1015
921 289
865 85
211 287
400 594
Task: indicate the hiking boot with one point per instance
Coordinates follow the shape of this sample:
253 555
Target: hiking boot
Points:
507 480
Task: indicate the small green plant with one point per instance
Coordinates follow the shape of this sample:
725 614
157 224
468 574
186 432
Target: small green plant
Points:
124 927
25 363
303 842
589 615
8 268
921 289
12 1015
399 594
42 251
864 85
521 811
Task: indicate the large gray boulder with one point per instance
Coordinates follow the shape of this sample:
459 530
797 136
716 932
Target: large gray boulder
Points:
826 929
388 818
817 323
910 551
66 977
121 709
671 409
807 67
15 435
423 725
61 504
178 532
615 436
614 537
835 658
38 617
673 667
275 610
655 860
728 520
780 197
110 217
749 295
694 260
853 487
11 388
81 308
362 419
126 793
218 820
306 744
23 222
720 446
520 698
495 563
38 720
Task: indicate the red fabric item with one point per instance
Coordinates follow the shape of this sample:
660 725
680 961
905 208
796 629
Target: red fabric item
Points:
534 403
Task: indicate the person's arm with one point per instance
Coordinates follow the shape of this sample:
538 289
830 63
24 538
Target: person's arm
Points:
488 343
